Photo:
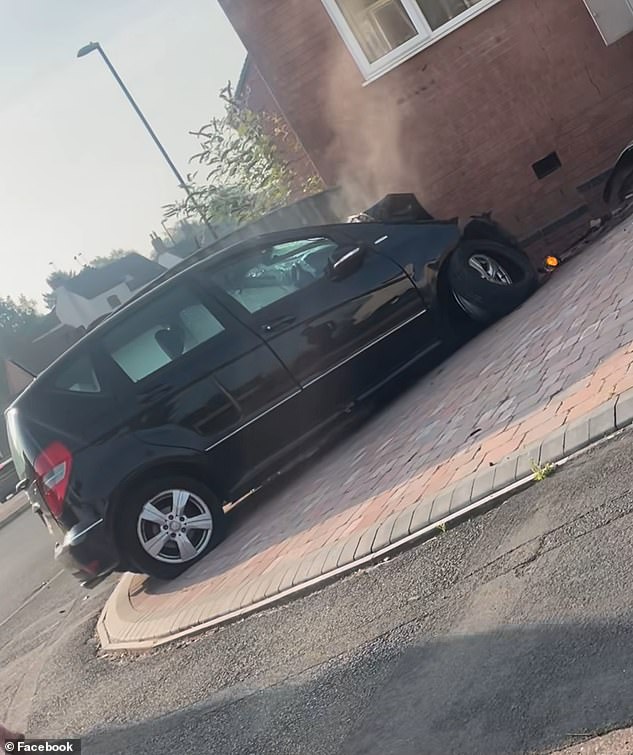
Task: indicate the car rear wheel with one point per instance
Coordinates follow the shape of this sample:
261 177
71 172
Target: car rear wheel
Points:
488 280
170 524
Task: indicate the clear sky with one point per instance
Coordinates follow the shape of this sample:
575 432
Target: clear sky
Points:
78 173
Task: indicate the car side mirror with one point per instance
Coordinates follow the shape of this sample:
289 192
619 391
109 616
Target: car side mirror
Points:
344 262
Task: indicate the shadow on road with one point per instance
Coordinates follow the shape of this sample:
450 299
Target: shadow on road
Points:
516 689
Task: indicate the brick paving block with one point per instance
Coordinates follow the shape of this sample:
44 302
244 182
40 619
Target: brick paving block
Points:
602 421
483 484
576 435
624 409
525 460
331 560
348 552
552 448
505 473
366 542
301 570
441 506
314 567
288 579
383 535
461 494
402 526
273 585
421 515
239 592
253 593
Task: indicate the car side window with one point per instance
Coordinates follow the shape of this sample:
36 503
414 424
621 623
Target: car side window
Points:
162 331
78 377
271 273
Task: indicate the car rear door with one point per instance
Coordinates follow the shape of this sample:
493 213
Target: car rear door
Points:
197 378
339 315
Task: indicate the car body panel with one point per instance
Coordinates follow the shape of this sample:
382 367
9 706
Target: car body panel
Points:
338 336
357 304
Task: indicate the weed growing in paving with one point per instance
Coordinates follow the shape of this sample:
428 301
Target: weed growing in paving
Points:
541 471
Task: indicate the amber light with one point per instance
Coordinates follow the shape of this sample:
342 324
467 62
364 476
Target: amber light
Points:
551 262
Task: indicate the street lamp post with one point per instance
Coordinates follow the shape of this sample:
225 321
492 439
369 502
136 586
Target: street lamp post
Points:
91 47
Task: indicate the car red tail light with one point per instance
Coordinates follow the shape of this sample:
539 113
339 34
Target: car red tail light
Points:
52 467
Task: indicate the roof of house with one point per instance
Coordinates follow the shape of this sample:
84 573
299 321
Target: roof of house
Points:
133 269
37 355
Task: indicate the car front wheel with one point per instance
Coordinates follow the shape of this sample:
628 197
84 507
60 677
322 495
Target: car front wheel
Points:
170 524
488 280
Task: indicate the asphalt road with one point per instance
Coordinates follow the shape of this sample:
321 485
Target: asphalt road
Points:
26 551
511 633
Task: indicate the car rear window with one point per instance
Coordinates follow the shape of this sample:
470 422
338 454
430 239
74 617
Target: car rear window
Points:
161 332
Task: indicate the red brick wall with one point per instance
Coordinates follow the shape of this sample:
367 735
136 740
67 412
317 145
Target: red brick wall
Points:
257 96
461 122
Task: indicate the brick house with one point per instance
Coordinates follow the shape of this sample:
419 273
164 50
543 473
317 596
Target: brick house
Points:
519 106
253 91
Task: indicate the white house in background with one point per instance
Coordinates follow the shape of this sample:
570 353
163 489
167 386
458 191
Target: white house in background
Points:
97 291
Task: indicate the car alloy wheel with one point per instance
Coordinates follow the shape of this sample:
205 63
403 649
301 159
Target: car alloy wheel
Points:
489 269
175 526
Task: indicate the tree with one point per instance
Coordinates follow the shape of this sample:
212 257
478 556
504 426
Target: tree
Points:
16 317
56 279
242 173
105 259
59 277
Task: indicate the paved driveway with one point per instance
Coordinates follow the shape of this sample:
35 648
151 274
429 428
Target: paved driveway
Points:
563 353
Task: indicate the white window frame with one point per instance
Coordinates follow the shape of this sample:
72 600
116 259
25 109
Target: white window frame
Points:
425 36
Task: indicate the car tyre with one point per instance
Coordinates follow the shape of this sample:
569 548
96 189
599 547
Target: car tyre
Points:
488 279
169 524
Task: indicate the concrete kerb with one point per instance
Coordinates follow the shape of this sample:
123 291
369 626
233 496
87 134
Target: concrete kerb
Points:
470 496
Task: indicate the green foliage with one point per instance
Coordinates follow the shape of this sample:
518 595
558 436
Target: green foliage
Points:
17 317
56 279
241 173
542 471
115 254
59 277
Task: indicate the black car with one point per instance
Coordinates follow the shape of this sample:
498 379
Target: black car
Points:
200 389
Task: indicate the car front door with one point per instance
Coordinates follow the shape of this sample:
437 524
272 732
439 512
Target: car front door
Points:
340 316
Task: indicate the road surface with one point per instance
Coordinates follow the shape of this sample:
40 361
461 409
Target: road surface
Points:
26 558
511 633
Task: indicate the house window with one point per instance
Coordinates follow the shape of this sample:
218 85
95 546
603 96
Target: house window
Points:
114 301
383 33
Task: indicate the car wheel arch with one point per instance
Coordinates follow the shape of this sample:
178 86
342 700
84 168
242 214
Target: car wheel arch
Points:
193 469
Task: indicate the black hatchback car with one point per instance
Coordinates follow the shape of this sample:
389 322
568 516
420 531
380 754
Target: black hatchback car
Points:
199 390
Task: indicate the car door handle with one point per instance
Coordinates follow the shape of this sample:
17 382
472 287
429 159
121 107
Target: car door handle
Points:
278 322
339 263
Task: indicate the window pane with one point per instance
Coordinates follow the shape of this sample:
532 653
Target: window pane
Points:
78 377
161 332
379 25
439 12
275 272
